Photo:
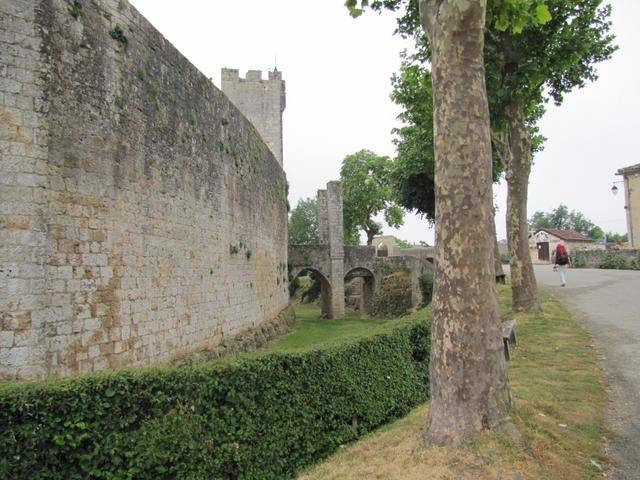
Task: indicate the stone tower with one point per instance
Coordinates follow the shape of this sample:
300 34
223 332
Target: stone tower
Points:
330 229
261 101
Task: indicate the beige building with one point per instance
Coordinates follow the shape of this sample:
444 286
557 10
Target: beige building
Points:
543 242
631 179
386 246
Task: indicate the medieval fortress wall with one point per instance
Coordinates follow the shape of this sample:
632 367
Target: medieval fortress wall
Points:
142 217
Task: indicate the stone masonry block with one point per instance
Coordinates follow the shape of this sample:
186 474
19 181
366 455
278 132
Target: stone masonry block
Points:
6 339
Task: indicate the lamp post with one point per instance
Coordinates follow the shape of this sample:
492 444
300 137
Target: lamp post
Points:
614 189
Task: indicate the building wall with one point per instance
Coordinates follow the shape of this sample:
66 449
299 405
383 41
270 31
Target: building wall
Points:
262 101
571 246
632 195
389 241
393 250
129 232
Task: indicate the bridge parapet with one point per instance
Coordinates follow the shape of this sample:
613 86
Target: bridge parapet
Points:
310 257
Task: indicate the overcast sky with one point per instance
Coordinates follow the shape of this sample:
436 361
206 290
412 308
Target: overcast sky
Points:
337 72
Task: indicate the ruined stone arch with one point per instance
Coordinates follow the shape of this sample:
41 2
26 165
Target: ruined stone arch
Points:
367 287
382 250
325 287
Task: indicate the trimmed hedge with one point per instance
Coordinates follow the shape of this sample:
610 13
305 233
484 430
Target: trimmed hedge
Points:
261 417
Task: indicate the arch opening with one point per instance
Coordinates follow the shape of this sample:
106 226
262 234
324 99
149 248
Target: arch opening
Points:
360 285
316 285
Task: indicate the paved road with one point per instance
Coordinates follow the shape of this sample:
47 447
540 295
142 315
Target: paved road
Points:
607 304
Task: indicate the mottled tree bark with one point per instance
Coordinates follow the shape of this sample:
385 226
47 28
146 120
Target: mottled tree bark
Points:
469 389
524 289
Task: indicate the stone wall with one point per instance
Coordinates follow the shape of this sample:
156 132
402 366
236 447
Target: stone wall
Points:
593 258
395 297
129 232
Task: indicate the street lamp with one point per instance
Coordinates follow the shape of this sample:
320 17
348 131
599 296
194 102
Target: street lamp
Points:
614 189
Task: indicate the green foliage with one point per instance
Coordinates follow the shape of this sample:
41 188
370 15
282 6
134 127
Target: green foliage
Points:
504 259
312 290
303 223
514 16
534 50
117 34
617 237
141 74
426 286
635 263
258 417
613 260
563 219
155 88
403 243
577 260
367 191
294 285
75 10
413 174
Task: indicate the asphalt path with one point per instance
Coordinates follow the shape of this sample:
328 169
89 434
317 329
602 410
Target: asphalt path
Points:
607 304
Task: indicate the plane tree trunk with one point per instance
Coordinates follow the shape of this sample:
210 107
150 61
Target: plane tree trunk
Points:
524 289
469 388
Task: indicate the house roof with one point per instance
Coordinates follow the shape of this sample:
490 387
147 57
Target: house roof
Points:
628 170
568 235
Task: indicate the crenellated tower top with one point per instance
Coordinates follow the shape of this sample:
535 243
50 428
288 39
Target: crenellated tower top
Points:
261 101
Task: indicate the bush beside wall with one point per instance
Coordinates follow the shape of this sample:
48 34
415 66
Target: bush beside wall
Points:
261 417
609 259
426 286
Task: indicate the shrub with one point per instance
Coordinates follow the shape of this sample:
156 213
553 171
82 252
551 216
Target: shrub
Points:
260 417
577 260
504 259
426 286
613 260
313 290
294 285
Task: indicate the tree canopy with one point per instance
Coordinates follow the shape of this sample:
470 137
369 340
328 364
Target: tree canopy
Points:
617 237
412 174
367 191
534 51
413 168
563 219
303 223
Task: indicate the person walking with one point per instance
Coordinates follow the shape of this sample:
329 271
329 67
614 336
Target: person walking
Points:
561 263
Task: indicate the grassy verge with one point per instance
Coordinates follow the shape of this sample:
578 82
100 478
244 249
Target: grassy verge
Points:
560 397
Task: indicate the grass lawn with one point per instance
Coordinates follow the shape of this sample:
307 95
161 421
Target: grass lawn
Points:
560 400
314 332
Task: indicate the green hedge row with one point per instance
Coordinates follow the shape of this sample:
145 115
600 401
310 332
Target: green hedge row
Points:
262 417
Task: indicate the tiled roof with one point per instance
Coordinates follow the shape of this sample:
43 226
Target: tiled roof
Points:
567 234
630 169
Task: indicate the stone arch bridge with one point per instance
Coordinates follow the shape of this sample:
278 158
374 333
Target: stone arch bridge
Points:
334 262
358 261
